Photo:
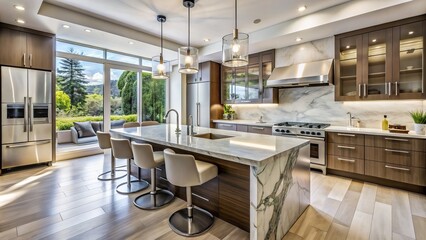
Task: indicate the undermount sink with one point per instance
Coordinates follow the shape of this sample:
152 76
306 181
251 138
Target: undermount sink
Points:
211 136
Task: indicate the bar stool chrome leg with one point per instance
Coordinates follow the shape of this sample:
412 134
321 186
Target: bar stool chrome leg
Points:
191 221
131 186
156 198
113 174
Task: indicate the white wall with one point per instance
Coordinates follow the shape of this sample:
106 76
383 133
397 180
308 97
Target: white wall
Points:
177 97
316 104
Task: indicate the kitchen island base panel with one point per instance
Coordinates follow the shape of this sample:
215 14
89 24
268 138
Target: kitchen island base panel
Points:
279 194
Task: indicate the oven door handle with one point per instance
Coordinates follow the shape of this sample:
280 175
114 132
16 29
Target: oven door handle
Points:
311 138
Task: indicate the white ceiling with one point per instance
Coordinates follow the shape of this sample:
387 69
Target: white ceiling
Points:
116 22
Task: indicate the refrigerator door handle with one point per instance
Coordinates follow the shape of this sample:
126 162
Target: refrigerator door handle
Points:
27 144
30 113
25 114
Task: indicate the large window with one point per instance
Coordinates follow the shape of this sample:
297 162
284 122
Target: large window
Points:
83 72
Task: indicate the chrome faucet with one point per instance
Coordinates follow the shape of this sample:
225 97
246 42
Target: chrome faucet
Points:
190 128
350 119
177 119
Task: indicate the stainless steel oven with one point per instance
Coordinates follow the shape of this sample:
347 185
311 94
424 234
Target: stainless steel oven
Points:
317 147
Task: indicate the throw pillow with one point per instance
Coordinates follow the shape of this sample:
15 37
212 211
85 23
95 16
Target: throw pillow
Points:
84 129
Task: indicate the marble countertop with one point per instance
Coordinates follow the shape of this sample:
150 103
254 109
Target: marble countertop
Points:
373 131
245 148
245 122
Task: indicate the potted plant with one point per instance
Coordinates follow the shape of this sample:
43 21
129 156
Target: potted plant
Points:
419 118
228 112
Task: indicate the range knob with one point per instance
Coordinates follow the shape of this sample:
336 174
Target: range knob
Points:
307 132
302 132
282 130
310 126
318 133
287 131
312 133
277 130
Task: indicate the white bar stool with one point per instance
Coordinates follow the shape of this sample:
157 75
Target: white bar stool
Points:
184 171
146 158
121 149
104 140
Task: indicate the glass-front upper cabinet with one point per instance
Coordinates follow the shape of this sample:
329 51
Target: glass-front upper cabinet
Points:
253 86
349 68
228 85
377 64
409 66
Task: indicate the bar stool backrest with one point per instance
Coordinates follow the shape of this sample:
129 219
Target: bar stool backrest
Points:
131 124
149 123
104 139
121 148
181 169
143 155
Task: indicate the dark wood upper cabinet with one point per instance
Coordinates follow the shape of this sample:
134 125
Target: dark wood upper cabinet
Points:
382 62
248 84
26 49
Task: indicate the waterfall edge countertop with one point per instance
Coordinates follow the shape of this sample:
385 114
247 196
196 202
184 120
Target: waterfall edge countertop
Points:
241 147
373 131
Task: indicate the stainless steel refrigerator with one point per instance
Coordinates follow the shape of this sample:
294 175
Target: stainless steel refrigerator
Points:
26 121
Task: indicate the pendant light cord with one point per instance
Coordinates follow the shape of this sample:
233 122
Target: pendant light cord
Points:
189 26
235 14
161 54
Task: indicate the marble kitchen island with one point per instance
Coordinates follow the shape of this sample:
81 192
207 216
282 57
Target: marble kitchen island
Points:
276 169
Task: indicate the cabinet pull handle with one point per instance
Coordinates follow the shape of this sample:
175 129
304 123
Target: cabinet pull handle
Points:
390 88
359 90
164 179
226 125
198 114
396 89
346 160
397 139
397 151
258 128
365 90
397 168
246 101
346 147
345 135
159 169
386 88
31 60
200 197
25 59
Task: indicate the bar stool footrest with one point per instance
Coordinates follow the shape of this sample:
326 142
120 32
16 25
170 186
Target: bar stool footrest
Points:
150 201
107 176
200 222
135 186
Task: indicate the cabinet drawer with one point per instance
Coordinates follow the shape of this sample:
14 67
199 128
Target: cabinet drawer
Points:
206 196
400 157
397 143
260 130
242 128
226 126
411 175
346 164
346 138
345 150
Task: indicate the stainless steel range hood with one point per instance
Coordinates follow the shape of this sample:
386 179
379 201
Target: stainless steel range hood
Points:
302 75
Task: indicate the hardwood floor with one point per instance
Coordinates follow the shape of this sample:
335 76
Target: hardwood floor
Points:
66 201
345 209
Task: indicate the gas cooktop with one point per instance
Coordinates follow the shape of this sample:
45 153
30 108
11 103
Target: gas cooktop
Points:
300 129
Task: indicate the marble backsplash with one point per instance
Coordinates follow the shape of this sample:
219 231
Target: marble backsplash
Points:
316 104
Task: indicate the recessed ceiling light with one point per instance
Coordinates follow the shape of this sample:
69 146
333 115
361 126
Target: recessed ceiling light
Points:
374 40
410 32
65 26
347 47
19 7
131 43
302 8
206 40
298 39
20 21
256 21
87 30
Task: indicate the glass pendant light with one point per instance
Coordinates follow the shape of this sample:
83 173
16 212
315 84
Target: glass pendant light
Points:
188 56
160 68
235 47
